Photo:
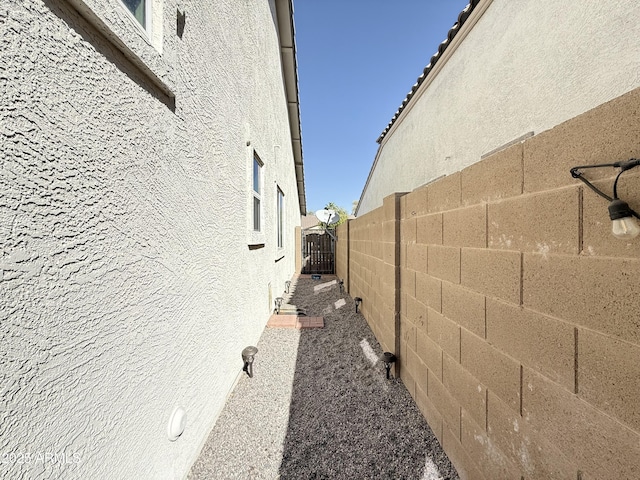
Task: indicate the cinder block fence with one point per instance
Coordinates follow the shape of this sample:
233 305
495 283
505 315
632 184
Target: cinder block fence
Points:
514 312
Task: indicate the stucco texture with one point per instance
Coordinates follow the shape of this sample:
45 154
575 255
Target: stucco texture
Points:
525 66
127 287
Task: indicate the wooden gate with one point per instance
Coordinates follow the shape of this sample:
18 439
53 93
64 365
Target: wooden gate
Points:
318 253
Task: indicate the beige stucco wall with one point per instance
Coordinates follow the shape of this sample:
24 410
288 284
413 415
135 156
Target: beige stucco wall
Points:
127 286
525 66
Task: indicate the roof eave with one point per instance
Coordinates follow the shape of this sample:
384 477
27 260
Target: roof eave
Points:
468 17
286 32
437 59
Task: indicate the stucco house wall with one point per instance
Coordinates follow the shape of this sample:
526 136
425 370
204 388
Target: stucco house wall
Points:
513 68
130 279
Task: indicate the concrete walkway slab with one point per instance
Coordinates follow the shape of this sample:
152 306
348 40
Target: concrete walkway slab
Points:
294 321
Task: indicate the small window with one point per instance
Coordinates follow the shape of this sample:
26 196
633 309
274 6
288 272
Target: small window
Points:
280 209
257 193
140 10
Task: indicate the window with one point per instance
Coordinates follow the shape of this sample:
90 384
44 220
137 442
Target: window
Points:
134 27
280 210
140 10
257 210
257 192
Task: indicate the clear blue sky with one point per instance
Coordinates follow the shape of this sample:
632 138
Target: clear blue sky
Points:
357 60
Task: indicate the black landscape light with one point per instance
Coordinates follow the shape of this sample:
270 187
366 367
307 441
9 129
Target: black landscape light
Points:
287 286
341 285
278 302
358 301
388 358
247 357
623 224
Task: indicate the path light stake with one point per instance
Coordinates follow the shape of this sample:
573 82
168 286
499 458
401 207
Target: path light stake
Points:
247 357
278 302
287 285
358 301
341 285
388 358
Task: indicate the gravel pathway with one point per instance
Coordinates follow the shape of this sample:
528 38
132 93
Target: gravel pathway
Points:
319 406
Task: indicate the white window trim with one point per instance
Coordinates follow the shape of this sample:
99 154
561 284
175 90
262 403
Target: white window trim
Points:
254 237
280 219
144 47
257 195
148 28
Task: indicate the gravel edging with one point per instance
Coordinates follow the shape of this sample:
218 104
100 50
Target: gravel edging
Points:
319 406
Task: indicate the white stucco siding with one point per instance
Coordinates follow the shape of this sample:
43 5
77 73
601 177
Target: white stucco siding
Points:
127 286
526 66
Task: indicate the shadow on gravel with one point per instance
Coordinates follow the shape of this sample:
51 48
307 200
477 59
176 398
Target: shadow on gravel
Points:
346 420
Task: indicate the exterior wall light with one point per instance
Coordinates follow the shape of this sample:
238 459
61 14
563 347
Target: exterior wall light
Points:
624 225
248 355
358 302
388 358
278 302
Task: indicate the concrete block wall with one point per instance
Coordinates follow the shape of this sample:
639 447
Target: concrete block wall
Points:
342 252
518 309
368 255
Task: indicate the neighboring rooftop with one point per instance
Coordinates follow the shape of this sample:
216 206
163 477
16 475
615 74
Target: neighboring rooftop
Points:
462 18
309 221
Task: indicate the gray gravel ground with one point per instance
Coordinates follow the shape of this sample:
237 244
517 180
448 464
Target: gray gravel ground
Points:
319 406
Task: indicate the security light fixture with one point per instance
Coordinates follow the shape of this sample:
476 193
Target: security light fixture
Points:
247 357
388 358
181 20
287 286
278 303
624 225
358 302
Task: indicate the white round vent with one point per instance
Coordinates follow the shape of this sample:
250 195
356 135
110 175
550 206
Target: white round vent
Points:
177 423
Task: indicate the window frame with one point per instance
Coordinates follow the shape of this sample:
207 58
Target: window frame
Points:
141 46
257 181
256 239
280 217
147 27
